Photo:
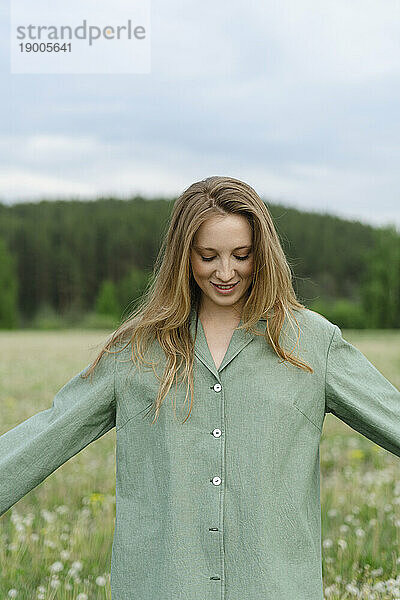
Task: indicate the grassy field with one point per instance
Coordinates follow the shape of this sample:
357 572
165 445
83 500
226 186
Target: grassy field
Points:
56 541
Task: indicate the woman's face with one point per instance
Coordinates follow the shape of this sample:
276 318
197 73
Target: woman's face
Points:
222 254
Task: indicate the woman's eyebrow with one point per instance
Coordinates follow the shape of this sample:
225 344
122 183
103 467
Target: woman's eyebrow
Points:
213 249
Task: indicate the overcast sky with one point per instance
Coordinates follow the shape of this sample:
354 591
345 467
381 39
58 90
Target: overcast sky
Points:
299 98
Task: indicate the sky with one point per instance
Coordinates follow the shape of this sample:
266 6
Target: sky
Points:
299 98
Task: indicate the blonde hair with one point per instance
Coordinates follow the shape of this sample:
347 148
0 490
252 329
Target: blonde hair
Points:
163 311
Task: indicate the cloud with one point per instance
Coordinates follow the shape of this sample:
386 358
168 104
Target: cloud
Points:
23 184
65 167
299 97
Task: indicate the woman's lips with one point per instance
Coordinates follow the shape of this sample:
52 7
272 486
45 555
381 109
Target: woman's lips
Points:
224 290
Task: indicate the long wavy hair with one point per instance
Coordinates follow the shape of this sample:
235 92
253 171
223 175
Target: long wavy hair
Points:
162 314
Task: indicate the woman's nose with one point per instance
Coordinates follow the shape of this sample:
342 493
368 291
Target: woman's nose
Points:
225 272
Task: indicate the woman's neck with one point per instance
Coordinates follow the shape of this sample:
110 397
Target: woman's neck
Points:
224 319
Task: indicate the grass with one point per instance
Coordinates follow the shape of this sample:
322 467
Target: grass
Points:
56 541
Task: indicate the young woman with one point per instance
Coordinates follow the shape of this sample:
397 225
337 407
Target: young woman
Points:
225 503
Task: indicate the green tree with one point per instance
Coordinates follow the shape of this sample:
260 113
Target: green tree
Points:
343 312
131 287
65 250
106 301
380 289
8 289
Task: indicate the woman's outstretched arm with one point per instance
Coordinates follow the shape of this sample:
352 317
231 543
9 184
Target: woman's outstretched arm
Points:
82 411
358 394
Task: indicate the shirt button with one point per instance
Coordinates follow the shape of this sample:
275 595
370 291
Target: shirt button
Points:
216 480
217 387
217 433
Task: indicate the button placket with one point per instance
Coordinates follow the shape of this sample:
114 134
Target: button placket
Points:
216 480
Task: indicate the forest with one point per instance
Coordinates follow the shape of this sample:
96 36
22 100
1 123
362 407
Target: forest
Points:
67 263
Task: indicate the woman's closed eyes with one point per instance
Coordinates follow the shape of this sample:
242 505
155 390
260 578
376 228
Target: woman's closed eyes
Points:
238 257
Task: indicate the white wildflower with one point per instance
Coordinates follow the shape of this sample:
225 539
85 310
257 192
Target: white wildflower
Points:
28 519
56 567
352 589
360 532
380 586
47 515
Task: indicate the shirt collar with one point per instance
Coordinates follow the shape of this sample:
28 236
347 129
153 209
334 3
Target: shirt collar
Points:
239 340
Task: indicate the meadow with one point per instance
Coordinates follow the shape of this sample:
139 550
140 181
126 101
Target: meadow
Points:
56 541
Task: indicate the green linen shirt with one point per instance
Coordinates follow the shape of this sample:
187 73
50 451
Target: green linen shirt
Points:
227 505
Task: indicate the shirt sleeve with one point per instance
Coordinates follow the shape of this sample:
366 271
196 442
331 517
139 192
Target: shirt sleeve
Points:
358 394
82 411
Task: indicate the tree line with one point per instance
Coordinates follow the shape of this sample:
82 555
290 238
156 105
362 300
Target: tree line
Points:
74 259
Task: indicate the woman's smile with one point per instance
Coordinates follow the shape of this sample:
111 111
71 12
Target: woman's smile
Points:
225 289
